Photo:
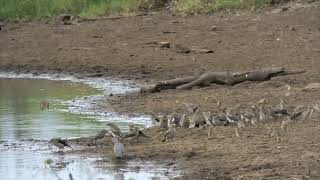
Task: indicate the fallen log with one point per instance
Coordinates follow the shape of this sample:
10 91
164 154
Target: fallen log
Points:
226 78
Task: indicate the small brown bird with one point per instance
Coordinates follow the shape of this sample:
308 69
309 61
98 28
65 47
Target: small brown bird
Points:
133 132
197 118
175 119
115 130
118 148
163 124
58 142
185 121
100 134
44 104
170 134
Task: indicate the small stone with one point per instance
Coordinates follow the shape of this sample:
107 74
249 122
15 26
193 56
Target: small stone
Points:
182 49
164 44
312 86
293 29
202 51
285 8
1 26
276 11
170 163
213 28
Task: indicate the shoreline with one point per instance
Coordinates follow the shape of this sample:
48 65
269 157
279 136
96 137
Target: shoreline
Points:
125 48
114 86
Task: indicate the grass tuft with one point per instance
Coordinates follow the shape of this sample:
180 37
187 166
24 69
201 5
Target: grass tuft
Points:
210 6
40 9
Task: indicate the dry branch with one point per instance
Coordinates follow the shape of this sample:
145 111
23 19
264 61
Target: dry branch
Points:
227 78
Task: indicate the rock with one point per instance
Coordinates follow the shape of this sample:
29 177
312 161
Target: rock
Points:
181 49
296 6
201 51
276 11
168 32
66 19
285 8
94 75
164 44
1 26
189 154
213 28
312 87
293 29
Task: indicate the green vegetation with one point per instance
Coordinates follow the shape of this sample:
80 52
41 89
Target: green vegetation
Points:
30 9
39 9
48 161
209 6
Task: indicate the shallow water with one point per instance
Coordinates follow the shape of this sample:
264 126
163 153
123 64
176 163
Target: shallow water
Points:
21 117
69 116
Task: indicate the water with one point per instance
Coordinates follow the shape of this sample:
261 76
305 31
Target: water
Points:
72 114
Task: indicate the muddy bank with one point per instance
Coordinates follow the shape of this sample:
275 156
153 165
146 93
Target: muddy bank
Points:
254 154
128 48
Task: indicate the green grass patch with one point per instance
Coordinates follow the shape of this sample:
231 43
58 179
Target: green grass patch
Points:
109 6
210 6
39 9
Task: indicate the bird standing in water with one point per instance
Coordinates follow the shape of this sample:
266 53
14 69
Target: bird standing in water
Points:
44 104
58 142
115 130
118 148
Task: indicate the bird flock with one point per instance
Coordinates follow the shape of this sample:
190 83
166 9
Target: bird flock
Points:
252 114
238 117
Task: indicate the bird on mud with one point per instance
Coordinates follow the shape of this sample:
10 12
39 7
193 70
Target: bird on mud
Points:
60 143
184 121
44 104
197 118
208 116
170 134
231 118
262 114
100 134
163 123
219 119
246 115
301 112
118 148
155 118
175 119
115 130
134 132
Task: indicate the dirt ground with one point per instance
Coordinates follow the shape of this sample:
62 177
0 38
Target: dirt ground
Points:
127 48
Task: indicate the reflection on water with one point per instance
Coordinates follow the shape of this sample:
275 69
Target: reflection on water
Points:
21 118
17 165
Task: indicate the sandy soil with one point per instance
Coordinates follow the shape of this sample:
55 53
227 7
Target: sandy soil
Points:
127 48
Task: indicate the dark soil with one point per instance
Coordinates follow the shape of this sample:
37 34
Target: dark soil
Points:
129 48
